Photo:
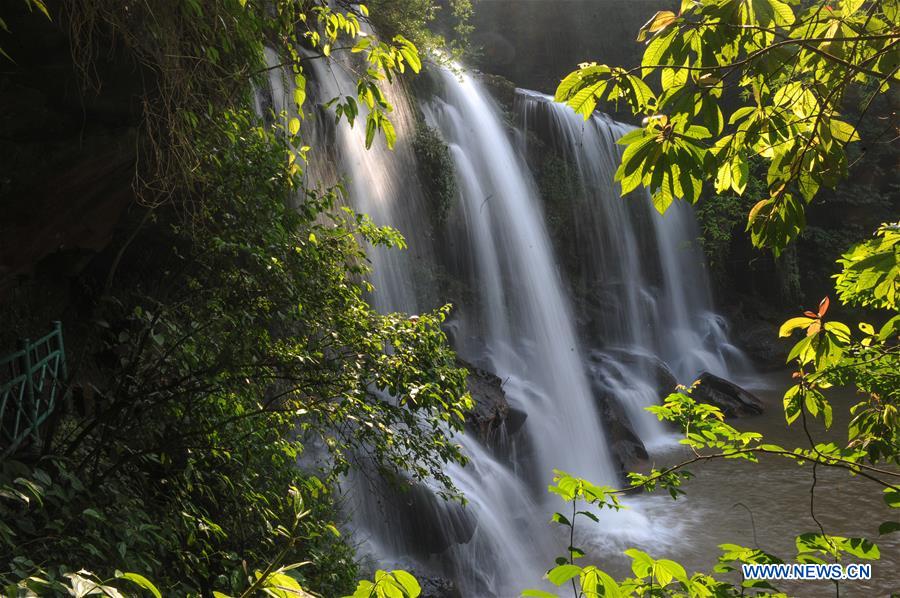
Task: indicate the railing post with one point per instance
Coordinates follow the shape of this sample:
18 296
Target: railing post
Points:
62 350
33 402
29 382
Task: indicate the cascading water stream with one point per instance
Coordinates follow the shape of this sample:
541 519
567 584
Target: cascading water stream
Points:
507 542
515 320
647 267
528 333
379 182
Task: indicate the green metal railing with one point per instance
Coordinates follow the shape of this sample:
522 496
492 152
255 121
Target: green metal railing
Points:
30 382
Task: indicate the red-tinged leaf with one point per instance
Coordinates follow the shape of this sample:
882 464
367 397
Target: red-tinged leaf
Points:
823 306
814 328
810 314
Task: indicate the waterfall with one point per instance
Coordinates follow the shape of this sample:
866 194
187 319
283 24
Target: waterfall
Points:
517 318
643 271
528 335
379 182
648 267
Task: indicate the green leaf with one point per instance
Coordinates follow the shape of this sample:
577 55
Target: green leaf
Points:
364 589
641 563
848 7
655 52
41 7
409 583
783 14
593 580
843 132
390 135
663 197
671 569
299 94
539 594
633 136
563 573
585 100
141 581
641 95
561 519
409 52
371 126
294 126
861 547
740 175
793 324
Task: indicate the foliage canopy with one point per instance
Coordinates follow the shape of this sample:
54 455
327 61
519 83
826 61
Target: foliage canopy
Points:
743 78
231 368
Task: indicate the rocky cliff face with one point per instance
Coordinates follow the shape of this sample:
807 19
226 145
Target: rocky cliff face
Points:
68 149
538 42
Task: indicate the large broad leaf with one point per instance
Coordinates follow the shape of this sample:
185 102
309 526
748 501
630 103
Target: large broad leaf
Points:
663 196
587 74
656 52
641 562
793 324
639 93
665 571
861 547
408 582
142 582
596 583
562 573
783 15
584 102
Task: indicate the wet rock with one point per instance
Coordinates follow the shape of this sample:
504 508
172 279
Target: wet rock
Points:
626 446
501 89
760 342
627 449
433 524
437 587
491 406
658 372
733 400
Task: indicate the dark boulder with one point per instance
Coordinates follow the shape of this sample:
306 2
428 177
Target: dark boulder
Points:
437 587
627 449
760 342
733 400
432 524
491 410
626 446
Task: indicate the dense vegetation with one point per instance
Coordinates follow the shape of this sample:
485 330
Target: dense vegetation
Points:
228 339
231 370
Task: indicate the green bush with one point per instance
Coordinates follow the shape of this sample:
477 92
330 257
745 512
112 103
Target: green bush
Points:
436 167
